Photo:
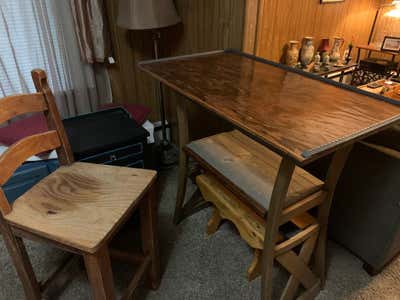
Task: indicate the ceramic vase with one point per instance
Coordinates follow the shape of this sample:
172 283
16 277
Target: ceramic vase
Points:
317 58
335 53
324 46
325 58
292 54
307 51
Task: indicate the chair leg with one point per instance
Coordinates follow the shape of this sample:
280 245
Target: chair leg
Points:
148 220
19 256
98 268
17 251
214 222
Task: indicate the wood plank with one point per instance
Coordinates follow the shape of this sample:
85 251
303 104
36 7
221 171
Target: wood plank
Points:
130 290
292 114
250 167
98 268
149 236
289 20
298 268
182 114
17 251
302 206
335 169
25 148
293 283
279 193
64 153
81 205
250 26
296 240
206 25
13 106
5 206
250 226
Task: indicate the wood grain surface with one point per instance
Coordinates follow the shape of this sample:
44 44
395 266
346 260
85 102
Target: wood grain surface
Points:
16 105
206 25
25 148
290 113
251 167
82 204
283 20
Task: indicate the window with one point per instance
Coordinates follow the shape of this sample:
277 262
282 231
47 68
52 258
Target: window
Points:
29 38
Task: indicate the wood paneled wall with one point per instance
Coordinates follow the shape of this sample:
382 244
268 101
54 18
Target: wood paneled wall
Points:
206 25
386 26
284 20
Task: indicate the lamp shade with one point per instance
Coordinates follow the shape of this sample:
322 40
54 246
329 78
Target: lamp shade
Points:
147 14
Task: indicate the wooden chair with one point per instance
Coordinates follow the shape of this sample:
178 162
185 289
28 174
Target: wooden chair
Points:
78 208
239 177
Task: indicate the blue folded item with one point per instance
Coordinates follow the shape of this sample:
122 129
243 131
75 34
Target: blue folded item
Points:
27 176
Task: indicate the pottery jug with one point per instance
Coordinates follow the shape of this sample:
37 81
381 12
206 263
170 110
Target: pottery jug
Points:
324 46
307 51
292 54
335 53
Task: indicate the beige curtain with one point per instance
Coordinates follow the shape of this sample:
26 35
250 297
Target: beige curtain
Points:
92 30
41 34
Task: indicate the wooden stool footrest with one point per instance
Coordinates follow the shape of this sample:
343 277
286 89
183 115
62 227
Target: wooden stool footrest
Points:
136 278
252 229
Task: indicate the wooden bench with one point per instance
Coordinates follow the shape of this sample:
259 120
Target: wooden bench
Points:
238 176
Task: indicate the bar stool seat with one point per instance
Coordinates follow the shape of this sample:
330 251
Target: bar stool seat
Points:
82 204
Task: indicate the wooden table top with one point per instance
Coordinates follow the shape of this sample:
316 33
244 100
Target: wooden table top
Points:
297 115
376 49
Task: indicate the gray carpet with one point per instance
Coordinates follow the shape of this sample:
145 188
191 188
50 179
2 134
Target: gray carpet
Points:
200 267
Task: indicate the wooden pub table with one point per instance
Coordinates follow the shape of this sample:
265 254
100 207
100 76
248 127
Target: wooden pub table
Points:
298 115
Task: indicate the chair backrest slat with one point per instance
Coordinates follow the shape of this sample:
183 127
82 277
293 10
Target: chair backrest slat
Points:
54 139
5 207
25 148
13 106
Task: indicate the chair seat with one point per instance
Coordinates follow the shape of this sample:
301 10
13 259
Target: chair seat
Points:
81 205
250 167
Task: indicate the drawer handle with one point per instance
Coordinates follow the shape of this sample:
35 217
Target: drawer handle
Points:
113 157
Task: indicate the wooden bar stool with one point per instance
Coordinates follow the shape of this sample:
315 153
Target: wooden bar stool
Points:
78 208
239 178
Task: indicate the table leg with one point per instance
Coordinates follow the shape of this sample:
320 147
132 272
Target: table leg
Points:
271 231
335 169
183 131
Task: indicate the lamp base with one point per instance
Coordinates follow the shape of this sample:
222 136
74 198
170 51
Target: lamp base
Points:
169 154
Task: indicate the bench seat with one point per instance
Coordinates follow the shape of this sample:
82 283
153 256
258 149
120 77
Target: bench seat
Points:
249 168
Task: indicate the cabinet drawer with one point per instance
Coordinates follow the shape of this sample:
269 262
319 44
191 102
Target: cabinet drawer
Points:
127 161
115 154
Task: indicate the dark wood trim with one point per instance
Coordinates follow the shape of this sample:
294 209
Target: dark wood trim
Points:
278 197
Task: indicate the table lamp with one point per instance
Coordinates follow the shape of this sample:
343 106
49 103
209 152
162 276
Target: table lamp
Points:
394 13
151 15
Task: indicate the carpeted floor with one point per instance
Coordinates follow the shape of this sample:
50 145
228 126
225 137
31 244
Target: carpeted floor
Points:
200 267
